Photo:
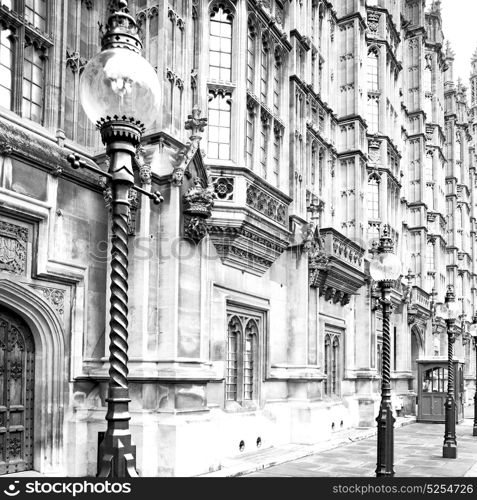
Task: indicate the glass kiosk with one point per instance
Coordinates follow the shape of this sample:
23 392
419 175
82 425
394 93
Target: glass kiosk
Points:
432 390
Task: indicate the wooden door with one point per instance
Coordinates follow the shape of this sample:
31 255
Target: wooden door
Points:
432 392
17 358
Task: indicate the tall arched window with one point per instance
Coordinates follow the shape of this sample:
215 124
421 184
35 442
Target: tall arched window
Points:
335 365
220 45
373 79
251 42
264 72
277 78
249 360
373 198
233 343
314 163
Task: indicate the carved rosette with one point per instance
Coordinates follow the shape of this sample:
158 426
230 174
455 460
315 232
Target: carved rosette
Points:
198 203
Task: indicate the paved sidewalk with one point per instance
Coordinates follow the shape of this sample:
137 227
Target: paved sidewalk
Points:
417 453
259 460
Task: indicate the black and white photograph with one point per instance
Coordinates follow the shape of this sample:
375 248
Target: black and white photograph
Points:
238 239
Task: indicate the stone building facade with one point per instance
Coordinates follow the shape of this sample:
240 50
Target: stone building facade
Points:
253 318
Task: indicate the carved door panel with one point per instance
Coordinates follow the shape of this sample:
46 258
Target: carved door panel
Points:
17 357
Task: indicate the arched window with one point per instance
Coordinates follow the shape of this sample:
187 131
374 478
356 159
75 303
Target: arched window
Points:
326 362
6 66
373 79
242 363
233 343
314 163
335 365
264 71
220 45
373 198
332 362
277 78
249 355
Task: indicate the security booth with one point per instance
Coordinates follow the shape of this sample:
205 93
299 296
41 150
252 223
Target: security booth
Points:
432 390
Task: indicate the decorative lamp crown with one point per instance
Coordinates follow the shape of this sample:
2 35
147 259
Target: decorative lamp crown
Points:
450 294
121 30
386 244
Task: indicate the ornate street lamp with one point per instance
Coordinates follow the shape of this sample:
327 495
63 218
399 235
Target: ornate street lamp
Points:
449 311
120 93
385 269
473 332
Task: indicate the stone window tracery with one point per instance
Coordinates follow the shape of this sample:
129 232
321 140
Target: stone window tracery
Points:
243 361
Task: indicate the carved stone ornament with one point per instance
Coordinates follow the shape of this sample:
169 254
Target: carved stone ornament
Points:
145 170
373 21
55 296
223 188
198 203
184 156
13 248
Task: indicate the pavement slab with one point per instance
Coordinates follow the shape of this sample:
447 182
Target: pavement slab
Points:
417 453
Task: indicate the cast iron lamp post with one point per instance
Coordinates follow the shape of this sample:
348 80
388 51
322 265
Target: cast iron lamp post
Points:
385 269
449 311
473 332
120 93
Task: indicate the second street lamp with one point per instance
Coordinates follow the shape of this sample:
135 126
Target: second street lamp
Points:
449 311
385 269
473 332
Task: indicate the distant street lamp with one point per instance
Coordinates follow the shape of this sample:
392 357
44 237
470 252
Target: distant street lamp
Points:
449 311
473 332
120 93
385 269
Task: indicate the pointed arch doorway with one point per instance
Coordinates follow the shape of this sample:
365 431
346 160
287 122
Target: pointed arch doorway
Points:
17 368
417 349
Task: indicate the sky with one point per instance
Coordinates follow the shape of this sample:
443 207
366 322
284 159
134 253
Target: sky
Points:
460 29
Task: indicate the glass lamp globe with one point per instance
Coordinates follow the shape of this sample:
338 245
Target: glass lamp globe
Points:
386 266
120 82
454 309
473 329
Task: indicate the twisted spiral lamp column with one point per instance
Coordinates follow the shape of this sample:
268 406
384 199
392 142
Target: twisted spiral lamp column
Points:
385 418
449 449
117 453
474 433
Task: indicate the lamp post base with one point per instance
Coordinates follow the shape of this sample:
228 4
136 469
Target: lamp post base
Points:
450 450
117 454
385 435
